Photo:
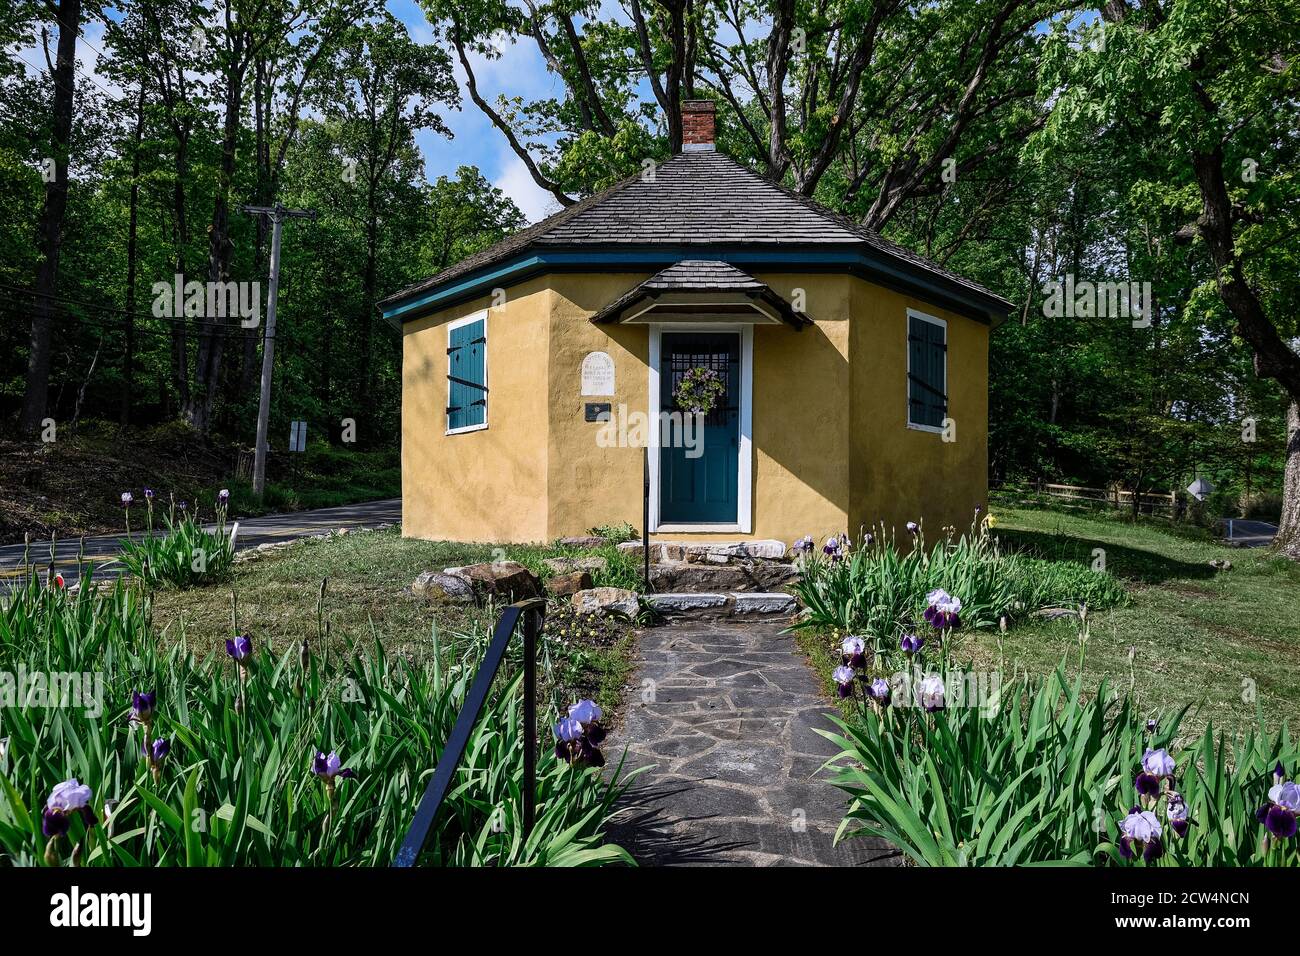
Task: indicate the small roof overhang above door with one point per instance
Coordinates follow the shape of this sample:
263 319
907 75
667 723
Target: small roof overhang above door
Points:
699 290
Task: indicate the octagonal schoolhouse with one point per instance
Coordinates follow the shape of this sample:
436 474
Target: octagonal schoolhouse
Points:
848 381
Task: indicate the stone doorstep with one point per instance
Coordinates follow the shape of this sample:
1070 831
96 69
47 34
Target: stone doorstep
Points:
732 603
710 552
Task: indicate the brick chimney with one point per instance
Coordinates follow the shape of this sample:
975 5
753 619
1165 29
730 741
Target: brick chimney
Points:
697 126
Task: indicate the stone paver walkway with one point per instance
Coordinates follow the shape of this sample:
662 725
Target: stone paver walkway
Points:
729 731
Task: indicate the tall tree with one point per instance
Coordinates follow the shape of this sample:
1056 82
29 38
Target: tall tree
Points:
62 86
1218 81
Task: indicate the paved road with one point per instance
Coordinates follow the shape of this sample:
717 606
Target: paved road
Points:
1249 534
103 549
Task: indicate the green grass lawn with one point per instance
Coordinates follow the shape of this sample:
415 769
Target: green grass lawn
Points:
368 597
1188 634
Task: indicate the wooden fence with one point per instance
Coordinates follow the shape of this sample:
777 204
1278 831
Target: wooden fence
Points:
1079 496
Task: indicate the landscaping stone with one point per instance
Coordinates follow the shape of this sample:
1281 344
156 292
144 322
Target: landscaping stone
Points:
680 602
607 601
1220 564
583 541
633 548
762 602
569 565
503 580
563 585
730 736
438 586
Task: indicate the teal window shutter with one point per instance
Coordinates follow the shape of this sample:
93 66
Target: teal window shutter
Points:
927 380
467 375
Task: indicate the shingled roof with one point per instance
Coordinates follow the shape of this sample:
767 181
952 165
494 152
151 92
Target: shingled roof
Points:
701 276
700 199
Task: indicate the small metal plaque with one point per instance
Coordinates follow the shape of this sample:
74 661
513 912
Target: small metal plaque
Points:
597 411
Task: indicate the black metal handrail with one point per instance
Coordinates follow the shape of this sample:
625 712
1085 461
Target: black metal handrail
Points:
532 611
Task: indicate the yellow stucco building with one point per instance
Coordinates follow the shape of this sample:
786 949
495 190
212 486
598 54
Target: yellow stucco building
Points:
845 378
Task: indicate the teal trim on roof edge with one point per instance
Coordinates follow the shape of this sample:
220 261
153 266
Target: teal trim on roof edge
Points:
525 266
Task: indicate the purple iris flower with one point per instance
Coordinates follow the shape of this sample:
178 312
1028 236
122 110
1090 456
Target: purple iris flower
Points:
127 498
142 706
1157 765
804 545
1279 816
240 648
1140 833
832 547
854 650
1279 774
577 737
148 494
183 506
585 712
223 496
879 691
942 610
867 539
913 528
844 678
1176 810
328 766
911 643
568 730
159 749
1151 726
588 714
931 692
65 799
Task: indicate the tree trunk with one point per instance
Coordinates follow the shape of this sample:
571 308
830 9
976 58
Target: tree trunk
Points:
181 235
128 360
50 229
1287 541
213 329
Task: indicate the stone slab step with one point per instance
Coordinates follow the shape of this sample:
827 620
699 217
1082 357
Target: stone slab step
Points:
710 552
725 604
678 576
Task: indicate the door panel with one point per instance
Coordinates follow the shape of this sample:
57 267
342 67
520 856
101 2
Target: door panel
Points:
703 489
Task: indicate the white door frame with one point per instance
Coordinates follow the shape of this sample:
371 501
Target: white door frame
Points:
745 460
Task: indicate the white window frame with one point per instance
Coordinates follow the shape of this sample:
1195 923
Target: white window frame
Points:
907 381
456 324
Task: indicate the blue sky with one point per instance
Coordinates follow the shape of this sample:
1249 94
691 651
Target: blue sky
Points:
519 71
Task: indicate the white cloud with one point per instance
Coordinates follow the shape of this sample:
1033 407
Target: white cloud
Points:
535 203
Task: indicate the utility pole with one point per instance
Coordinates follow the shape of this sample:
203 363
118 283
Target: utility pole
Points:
277 214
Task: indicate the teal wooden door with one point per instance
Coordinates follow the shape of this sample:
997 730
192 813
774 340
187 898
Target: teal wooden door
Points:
701 489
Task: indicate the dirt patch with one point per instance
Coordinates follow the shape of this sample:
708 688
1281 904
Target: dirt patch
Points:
72 486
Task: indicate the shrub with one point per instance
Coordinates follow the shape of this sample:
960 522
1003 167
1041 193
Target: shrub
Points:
878 590
185 555
241 784
622 531
1039 774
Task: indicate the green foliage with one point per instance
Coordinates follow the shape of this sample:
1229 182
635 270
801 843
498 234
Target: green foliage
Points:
237 787
623 531
184 555
1043 775
879 590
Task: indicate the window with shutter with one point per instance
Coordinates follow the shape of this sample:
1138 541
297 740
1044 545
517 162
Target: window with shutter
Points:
927 371
467 390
